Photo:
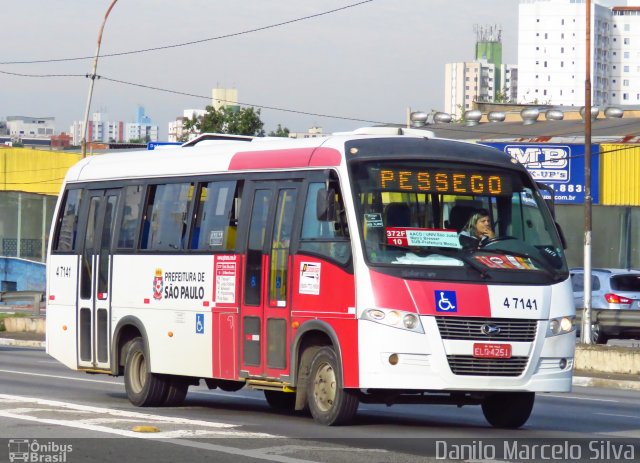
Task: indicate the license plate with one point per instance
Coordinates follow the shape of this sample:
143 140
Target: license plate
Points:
493 351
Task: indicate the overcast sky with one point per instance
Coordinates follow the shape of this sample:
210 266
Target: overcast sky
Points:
368 62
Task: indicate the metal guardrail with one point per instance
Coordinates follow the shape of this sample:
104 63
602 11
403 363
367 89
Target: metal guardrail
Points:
34 297
613 322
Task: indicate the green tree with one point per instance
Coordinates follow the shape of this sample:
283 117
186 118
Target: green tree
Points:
279 132
502 96
231 120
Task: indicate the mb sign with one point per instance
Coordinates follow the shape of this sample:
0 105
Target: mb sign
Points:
559 166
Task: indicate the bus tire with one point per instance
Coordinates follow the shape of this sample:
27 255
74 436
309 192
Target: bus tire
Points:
177 388
279 400
508 410
144 389
329 404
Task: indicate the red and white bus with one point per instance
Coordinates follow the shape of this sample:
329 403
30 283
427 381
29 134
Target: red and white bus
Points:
325 271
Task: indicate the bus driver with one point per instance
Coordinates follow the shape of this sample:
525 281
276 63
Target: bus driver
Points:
479 226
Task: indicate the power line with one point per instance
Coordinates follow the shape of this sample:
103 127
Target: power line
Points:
274 108
295 111
195 42
19 74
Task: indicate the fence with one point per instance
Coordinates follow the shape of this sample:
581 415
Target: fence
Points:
28 248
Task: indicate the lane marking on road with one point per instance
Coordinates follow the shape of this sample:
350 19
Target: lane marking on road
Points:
127 433
620 416
119 382
111 412
28 373
578 398
171 436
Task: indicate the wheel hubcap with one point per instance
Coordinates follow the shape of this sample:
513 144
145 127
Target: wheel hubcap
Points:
138 373
324 387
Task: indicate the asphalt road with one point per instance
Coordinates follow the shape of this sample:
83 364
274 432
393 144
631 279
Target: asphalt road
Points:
43 401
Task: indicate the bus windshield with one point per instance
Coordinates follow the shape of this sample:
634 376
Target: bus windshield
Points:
452 216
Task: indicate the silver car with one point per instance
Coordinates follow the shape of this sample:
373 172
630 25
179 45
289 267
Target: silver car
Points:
611 289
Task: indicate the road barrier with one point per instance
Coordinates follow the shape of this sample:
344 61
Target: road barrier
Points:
612 323
34 297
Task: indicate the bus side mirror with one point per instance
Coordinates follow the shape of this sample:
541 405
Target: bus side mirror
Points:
326 205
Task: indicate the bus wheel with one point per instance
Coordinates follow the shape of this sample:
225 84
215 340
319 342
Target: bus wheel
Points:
177 388
281 400
508 409
328 402
144 389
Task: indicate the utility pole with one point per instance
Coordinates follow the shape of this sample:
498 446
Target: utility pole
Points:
92 79
586 313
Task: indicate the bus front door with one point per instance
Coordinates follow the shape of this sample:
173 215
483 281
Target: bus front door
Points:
266 307
94 290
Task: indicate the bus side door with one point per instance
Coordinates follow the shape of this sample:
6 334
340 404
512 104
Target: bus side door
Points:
94 289
266 298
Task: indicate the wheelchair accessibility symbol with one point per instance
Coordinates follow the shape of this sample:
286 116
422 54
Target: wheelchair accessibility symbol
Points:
446 301
199 323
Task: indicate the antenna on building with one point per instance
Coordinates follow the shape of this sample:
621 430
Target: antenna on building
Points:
488 33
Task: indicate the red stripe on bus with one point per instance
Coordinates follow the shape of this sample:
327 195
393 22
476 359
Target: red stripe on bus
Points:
52 297
472 300
146 301
325 157
286 158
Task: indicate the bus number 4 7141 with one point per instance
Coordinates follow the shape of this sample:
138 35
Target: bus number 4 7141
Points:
520 303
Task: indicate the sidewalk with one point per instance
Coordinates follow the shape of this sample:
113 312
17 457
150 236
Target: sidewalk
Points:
22 339
580 378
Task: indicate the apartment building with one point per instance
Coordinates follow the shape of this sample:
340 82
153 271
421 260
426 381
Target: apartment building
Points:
552 52
485 79
21 127
625 51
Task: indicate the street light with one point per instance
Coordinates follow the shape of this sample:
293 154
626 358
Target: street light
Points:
92 78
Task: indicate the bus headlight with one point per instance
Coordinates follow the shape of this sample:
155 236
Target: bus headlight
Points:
561 325
394 318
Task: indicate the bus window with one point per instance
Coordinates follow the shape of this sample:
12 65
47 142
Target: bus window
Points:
165 224
216 217
326 238
67 228
130 216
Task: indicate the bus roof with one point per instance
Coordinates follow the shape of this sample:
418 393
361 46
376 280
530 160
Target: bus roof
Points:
216 155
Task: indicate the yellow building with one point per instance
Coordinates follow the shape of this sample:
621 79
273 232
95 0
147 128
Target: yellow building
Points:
30 181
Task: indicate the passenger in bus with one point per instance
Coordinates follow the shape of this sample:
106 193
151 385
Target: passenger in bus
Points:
479 227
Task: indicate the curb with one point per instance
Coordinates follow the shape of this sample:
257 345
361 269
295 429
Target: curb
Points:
586 381
21 343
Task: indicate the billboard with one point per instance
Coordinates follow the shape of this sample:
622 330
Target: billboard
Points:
559 166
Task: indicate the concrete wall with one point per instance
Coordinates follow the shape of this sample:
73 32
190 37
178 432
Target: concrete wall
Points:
609 359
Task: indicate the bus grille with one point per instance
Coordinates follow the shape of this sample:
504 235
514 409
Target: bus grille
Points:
508 329
470 366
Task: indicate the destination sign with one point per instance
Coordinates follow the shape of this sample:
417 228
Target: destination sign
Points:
444 181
